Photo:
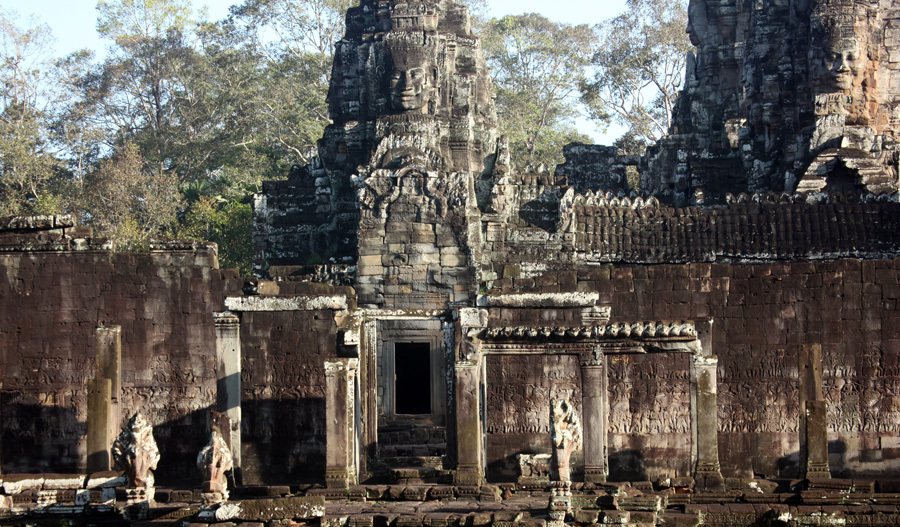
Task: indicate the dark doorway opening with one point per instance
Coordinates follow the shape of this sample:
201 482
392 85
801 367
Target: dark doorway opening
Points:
412 378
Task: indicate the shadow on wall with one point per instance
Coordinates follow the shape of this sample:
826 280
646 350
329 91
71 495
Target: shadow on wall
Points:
283 441
50 439
627 465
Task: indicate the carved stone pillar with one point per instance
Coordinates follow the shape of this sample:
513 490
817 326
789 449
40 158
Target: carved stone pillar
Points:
595 415
228 386
705 429
813 415
340 424
108 352
99 409
469 466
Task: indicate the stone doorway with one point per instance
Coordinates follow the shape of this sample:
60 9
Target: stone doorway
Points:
412 400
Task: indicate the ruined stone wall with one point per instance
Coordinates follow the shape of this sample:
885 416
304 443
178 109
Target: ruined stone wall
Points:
55 290
606 229
283 388
283 394
763 314
783 96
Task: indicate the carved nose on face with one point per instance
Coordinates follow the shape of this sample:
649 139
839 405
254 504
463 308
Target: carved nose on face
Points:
840 64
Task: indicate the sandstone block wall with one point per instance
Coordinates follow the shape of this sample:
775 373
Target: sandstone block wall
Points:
55 289
283 394
763 314
50 305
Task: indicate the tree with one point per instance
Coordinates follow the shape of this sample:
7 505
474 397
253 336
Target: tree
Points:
293 42
639 67
227 223
27 100
537 66
130 200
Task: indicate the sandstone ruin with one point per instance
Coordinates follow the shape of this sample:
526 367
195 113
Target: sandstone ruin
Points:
724 340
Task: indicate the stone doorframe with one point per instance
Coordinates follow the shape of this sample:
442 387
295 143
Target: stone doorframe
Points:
363 335
592 345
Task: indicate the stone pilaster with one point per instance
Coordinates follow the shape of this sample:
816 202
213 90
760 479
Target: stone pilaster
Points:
108 352
594 410
228 386
469 466
99 413
341 450
704 421
813 414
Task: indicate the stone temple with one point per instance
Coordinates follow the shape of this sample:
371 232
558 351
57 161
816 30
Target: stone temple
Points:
437 336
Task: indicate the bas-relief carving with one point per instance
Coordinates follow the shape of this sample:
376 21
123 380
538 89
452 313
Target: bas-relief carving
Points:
861 390
649 394
521 389
758 392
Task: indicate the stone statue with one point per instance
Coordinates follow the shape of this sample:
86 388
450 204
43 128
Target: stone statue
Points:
214 461
565 433
135 452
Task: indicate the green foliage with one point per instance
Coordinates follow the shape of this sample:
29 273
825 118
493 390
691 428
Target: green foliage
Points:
537 65
227 223
131 201
639 67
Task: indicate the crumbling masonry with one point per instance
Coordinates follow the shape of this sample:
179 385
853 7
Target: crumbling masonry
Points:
725 340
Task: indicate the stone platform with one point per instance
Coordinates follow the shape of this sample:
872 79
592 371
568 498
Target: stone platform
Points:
739 502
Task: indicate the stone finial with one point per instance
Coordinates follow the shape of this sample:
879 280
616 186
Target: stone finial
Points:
565 434
214 461
135 452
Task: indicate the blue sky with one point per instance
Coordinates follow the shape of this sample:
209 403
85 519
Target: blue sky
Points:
73 22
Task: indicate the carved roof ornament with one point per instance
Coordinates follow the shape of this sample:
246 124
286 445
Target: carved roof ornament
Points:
621 330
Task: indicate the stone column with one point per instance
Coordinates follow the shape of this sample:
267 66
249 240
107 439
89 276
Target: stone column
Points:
469 464
704 421
108 352
340 426
228 386
813 414
594 409
99 409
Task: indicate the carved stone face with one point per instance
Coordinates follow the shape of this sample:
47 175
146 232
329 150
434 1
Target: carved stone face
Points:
409 88
843 62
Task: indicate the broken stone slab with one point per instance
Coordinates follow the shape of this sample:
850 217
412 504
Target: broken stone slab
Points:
17 483
265 510
64 481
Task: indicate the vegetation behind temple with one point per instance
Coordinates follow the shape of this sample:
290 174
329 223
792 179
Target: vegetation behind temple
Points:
174 129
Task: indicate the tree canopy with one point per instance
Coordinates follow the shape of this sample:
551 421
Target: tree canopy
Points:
638 67
176 126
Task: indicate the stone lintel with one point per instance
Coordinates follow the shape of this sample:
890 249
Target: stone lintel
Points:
540 300
654 331
287 303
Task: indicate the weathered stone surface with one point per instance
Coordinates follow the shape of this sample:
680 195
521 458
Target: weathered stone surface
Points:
264 510
135 452
214 461
565 437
